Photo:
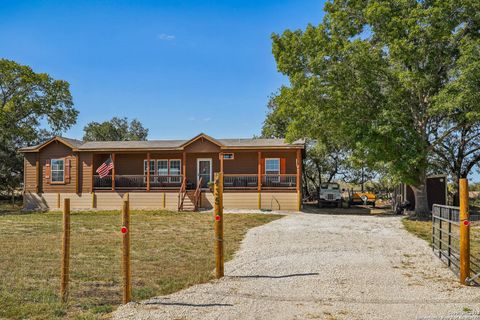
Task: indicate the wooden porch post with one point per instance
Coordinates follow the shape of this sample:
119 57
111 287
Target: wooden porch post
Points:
37 174
221 162
148 171
92 172
259 178
184 164
77 171
113 171
299 179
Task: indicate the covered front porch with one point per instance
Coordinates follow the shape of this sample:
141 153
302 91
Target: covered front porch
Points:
159 172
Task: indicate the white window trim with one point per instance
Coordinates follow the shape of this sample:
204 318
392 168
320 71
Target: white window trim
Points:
279 166
174 178
148 167
198 166
180 168
168 167
63 170
273 177
232 158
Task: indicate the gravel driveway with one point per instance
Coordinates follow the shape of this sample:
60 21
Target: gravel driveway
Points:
308 266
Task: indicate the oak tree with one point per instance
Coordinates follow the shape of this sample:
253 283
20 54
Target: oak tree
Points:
116 129
395 79
33 107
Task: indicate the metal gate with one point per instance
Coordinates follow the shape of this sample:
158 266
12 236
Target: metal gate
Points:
446 239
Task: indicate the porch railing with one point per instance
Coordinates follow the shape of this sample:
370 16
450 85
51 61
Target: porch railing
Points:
123 182
230 182
283 181
137 182
166 182
102 183
240 181
250 181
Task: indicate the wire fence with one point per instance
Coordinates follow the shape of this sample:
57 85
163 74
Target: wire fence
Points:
169 251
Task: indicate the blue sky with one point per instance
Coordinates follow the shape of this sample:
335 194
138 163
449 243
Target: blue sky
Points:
180 67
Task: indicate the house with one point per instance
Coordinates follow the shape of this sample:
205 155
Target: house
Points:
164 174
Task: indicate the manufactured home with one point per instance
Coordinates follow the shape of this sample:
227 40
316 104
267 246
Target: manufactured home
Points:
164 174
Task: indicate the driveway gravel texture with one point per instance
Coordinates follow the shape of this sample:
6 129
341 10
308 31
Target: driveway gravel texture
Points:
312 266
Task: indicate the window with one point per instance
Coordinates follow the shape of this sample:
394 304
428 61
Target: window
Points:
228 156
272 166
162 167
152 168
175 170
57 166
333 186
175 167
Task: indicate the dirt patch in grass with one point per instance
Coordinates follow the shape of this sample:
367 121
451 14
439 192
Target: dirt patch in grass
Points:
170 251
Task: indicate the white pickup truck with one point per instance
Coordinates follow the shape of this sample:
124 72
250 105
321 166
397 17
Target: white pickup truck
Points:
330 193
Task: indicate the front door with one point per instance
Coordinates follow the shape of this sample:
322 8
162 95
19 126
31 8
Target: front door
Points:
204 171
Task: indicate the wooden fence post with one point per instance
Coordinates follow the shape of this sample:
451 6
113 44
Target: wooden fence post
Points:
218 224
65 269
464 232
127 290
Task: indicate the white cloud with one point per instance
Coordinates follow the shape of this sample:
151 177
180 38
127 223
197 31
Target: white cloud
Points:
166 37
207 119
191 119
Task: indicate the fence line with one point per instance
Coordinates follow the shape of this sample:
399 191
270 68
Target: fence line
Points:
446 238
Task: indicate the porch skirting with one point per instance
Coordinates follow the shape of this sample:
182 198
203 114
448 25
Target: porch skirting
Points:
286 201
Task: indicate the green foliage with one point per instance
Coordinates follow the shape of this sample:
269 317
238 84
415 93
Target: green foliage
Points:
390 79
117 129
27 98
325 159
33 106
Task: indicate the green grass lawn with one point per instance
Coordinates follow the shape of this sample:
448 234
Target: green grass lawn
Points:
170 251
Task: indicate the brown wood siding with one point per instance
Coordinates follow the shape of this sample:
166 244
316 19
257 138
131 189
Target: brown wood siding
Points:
56 150
242 163
246 162
85 172
30 172
202 146
132 163
129 164
192 164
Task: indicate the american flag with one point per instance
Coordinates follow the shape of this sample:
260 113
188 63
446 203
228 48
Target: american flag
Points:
105 168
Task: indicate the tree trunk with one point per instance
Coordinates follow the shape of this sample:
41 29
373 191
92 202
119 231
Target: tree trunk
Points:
421 200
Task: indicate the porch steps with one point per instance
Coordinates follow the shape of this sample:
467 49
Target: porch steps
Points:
188 204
